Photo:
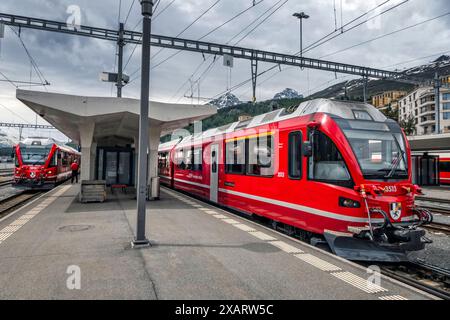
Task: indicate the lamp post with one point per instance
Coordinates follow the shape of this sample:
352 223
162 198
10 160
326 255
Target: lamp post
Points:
301 16
140 239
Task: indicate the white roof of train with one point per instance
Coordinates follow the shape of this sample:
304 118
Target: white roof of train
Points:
343 109
46 141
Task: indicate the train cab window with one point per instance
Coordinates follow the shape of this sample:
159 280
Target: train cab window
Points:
235 156
54 160
326 163
295 155
259 157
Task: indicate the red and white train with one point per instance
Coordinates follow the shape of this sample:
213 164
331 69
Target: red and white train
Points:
41 163
444 168
333 170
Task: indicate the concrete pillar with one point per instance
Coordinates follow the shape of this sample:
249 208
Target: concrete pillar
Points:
153 141
136 152
86 140
92 160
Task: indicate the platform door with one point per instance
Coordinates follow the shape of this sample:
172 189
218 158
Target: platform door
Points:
214 172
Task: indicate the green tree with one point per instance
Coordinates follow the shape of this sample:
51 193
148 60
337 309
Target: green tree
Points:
390 113
409 125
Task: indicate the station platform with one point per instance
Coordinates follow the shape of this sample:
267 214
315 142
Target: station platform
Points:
440 193
199 252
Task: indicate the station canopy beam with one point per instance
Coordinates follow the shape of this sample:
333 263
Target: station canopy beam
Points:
205 48
26 126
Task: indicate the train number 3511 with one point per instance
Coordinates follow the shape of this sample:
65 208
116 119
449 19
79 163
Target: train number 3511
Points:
390 189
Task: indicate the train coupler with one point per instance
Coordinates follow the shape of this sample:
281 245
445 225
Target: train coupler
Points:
385 243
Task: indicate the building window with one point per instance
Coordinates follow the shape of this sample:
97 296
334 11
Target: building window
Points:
446 106
446 115
235 156
295 155
446 96
260 154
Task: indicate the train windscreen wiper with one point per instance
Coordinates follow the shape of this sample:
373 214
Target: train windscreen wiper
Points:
397 159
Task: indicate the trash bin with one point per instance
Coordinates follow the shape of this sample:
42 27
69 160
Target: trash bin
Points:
153 191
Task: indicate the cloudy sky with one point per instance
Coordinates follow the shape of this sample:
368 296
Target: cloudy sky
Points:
72 64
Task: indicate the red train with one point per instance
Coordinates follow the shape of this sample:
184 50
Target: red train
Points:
41 163
330 171
444 167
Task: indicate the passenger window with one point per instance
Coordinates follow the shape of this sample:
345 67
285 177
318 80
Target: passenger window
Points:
260 154
235 156
180 160
326 163
295 155
189 157
198 159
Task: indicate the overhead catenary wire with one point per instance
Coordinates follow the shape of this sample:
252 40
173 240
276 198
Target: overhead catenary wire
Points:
248 33
180 33
339 31
353 27
15 113
386 35
129 11
33 62
138 24
8 80
211 31
311 47
202 37
190 24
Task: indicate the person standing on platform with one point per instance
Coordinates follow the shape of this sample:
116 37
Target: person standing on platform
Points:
74 167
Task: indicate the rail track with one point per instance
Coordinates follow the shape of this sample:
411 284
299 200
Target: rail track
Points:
428 278
17 200
6 182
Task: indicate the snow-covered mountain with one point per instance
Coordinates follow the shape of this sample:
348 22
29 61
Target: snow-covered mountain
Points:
227 100
441 64
354 88
288 93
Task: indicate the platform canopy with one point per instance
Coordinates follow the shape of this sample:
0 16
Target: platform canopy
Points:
430 142
113 117
110 122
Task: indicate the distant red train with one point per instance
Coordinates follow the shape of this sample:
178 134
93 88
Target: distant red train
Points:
330 170
444 168
41 163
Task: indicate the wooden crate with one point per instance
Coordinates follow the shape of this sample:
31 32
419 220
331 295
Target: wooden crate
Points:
93 191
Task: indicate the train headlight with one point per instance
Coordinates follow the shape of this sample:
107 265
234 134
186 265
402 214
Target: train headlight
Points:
348 203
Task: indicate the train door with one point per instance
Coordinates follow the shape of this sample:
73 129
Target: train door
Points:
214 172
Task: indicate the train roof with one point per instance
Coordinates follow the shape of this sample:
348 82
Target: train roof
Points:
352 110
46 141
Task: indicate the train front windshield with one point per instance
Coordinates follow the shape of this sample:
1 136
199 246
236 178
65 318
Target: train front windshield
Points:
379 148
32 155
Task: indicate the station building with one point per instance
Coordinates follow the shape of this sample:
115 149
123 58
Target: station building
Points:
107 129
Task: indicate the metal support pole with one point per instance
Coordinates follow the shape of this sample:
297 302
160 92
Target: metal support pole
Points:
120 44
301 38
140 239
437 99
254 67
365 89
